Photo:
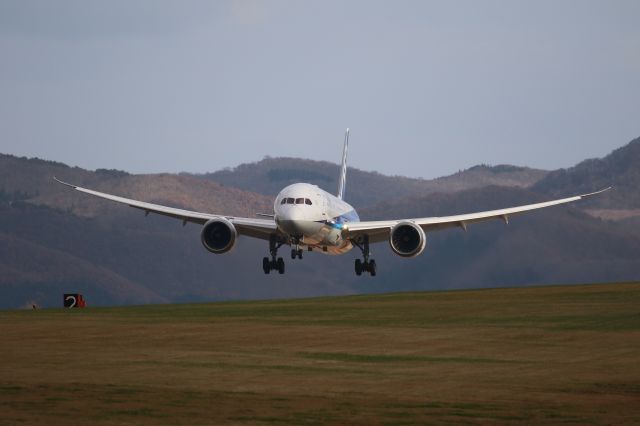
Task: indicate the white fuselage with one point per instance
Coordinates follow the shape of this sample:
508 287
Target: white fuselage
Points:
310 216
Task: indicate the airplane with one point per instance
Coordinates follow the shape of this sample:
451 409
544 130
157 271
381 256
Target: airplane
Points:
306 216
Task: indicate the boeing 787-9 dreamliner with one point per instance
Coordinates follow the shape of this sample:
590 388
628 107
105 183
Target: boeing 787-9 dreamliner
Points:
307 217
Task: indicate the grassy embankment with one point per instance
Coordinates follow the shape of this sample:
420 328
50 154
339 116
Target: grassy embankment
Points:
541 355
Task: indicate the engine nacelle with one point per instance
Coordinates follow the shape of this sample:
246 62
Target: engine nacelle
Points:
218 235
407 239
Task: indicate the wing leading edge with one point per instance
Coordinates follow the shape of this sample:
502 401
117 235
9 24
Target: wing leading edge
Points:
257 228
379 230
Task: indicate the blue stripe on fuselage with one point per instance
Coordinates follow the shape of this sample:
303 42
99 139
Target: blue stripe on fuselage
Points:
339 221
350 216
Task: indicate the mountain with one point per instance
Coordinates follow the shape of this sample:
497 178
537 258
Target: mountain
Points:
35 274
54 240
32 180
620 169
364 189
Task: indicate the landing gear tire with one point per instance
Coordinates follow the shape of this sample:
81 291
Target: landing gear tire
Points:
296 253
365 266
266 265
373 268
280 266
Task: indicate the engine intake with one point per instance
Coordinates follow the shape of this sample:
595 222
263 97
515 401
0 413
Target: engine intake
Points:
407 239
218 235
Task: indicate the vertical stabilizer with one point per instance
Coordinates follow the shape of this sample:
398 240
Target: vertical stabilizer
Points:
343 170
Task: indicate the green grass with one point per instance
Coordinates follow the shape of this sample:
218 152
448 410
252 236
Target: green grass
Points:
566 354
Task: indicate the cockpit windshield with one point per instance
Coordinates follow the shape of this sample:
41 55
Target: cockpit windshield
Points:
296 201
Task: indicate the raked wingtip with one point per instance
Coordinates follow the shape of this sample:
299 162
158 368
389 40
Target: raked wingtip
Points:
64 183
596 192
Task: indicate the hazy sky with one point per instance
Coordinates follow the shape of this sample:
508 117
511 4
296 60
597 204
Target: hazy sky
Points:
427 88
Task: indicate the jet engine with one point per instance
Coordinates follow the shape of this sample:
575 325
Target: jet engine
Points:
218 235
407 239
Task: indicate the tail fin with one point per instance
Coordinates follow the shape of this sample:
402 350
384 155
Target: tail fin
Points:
343 170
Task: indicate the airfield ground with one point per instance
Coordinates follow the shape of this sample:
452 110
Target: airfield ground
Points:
568 354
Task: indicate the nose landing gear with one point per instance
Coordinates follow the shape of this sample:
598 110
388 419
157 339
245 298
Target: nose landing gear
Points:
296 251
366 265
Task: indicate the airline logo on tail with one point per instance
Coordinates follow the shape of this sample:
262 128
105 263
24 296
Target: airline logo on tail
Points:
343 170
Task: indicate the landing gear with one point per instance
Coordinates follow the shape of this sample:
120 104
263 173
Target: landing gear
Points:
296 251
366 265
275 263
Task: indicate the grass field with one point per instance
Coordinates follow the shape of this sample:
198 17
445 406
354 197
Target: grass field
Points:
568 354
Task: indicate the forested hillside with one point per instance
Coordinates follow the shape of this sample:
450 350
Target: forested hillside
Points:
364 189
55 240
620 169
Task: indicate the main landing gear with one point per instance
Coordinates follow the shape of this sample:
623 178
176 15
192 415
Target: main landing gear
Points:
366 265
276 263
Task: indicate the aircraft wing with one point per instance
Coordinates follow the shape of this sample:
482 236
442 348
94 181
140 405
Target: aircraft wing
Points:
379 230
257 228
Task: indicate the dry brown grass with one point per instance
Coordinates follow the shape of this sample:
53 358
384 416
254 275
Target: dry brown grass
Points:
542 355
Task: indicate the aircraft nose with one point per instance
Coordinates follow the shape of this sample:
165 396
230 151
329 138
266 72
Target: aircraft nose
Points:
294 214
294 222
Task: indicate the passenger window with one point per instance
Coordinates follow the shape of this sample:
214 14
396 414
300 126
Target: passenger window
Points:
290 200
307 201
299 200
